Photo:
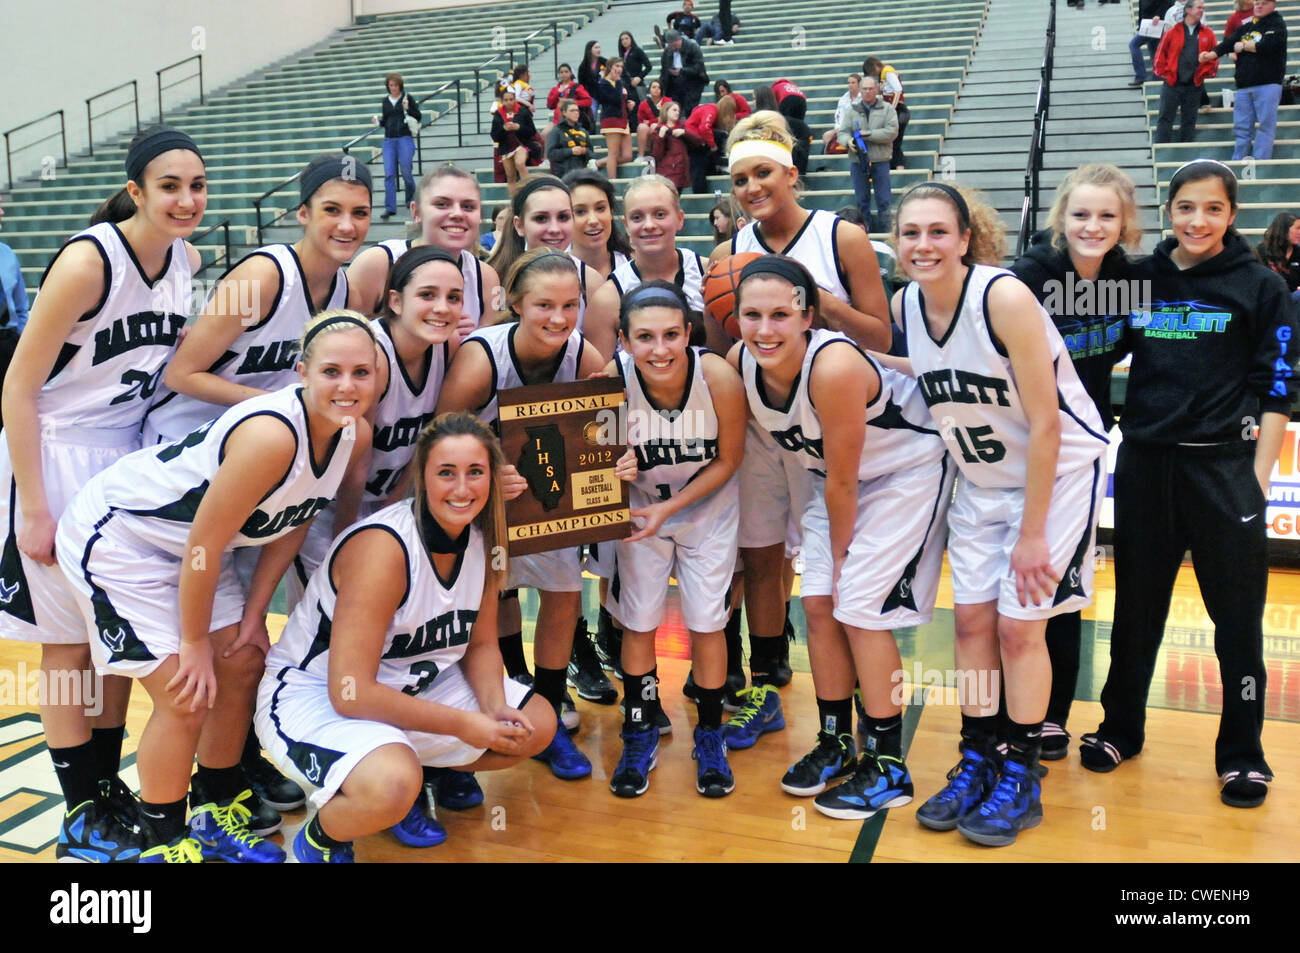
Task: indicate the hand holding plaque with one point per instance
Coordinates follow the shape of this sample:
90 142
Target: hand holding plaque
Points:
562 438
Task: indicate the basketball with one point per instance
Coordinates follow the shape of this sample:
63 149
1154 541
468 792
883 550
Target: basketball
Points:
719 290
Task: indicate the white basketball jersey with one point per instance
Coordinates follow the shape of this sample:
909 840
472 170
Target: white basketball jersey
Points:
690 278
899 434
156 491
470 267
430 631
672 444
109 367
401 413
967 382
265 355
499 342
813 247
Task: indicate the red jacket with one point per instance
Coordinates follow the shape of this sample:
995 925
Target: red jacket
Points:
784 87
575 91
645 112
672 161
743 108
699 125
1171 47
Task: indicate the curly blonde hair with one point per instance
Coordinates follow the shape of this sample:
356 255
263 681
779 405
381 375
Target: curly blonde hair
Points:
988 239
1101 175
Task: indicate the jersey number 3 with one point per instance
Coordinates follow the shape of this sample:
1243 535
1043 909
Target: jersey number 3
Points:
425 672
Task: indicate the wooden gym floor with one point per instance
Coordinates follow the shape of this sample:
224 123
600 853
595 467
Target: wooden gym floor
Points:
1162 806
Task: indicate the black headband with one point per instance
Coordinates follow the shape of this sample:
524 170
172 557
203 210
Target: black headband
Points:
534 184
154 145
787 269
413 259
963 211
331 322
346 167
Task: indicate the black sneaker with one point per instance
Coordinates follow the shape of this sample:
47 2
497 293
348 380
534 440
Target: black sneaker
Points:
116 798
585 673
609 648
781 672
731 701
662 721
835 756
272 787
263 820
91 834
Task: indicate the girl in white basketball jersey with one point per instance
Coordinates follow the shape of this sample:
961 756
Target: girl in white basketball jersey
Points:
148 545
246 341
597 240
873 533
411 675
685 433
542 217
1027 440
107 319
535 342
447 211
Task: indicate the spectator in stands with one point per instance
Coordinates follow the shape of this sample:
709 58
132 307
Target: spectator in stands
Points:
720 29
513 131
891 88
764 99
589 70
1147 10
399 145
707 129
648 112
567 146
13 308
682 73
723 88
830 141
725 221
1279 248
611 95
793 105
519 84
684 21
668 146
566 87
1260 45
871 123
1245 9
635 65
499 221
1177 62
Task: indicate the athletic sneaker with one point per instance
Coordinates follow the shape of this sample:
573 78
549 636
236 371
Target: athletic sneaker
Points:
456 790
417 829
781 673
731 700
118 799
221 828
1055 741
969 783
271 787
1014 805
662 721
309 852
183 850
760 713
640 755
835 756
584 672
91 833
714 777
609 647
880 782
566 761
863 730
264 820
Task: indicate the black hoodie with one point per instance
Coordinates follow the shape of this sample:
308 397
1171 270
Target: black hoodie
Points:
1091 316
1216 350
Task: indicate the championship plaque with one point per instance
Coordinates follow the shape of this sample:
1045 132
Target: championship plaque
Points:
564 439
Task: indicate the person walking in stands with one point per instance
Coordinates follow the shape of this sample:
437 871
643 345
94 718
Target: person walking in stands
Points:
1178 63
512 131
1147 10
1260 45
589 70
872 121
399 145
612 96
636 66
682 73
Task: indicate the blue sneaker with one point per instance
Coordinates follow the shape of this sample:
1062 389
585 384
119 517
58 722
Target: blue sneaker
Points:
1014 806
835 756
183 850
92 833
714 778
223 833
880 782
760 713
309 852
417 829
566 761
457 790
640 755
968 784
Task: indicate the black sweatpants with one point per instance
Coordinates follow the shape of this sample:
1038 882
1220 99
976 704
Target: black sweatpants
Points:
1169 499
1183 100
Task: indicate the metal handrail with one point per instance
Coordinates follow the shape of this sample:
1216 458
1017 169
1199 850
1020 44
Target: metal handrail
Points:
419 141
224 225
555 43
161 87
90 118
478 83
9 151
257 204
1038 144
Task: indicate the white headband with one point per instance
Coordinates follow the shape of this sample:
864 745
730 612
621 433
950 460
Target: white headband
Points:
761 149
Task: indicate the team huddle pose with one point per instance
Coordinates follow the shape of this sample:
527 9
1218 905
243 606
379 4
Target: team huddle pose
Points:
336 430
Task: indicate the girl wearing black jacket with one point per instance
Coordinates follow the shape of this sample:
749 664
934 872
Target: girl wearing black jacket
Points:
635 67
1092 220
1213 359
589 70
512 131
